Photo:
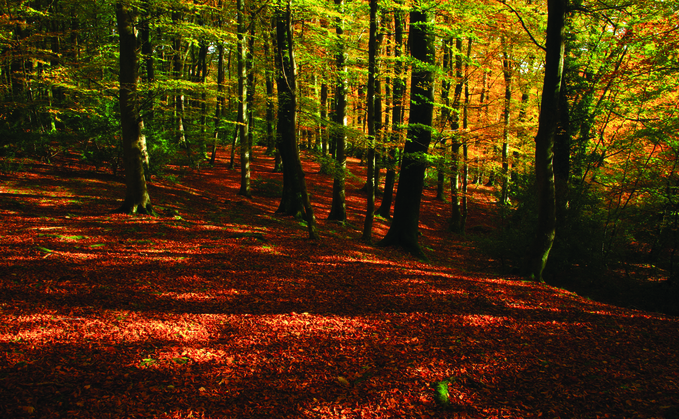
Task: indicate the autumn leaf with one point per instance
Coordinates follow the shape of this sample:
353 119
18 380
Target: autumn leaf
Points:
343 381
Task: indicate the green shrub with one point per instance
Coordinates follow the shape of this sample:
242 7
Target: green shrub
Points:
270 188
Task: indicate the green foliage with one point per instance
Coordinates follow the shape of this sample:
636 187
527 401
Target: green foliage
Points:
579 238
270 188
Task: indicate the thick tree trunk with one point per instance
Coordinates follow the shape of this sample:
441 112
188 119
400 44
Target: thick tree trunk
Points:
338 209
136 195
544 141
295 200
405 226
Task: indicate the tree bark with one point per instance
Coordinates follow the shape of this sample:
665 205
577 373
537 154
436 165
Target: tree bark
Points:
137 199
404 228
270 109
373 125
465 144
178 70
544 141
398 92
220 103
456 212
338 209
507 72
243 128
295 200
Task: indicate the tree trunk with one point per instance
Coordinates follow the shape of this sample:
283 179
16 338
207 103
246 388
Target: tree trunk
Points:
398 92
404 228
137 199
338 209
220 103
544 141
507 72
295 200
270 109
445 114
178 70
456 212
243 102
465 144
373 125
249 69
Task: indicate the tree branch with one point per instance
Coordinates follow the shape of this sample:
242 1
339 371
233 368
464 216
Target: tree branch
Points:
524 25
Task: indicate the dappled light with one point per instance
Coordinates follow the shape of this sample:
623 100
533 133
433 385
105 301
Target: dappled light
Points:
221 308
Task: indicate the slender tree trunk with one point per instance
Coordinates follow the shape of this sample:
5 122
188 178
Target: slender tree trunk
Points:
398 93
251 80
507 72
137 199
465 144
270 109
219 105
295 200
338 210
544 141
445 114
324 119
243 128
147 55
405 226
456 212
178 70
373 50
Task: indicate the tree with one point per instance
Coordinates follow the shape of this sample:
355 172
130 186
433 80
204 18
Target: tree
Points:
295 200
338 209
244 121
456 213
137 199
398 92
373 120
544 141
507 72
404 228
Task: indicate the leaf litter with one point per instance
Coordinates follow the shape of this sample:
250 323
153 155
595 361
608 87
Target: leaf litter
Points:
221 308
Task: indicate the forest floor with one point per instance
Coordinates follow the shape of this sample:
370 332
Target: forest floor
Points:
220 308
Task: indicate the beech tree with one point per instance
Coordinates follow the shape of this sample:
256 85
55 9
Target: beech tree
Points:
295 200
398 92
374 118
137 199
338 209
243 92
544 141
404 227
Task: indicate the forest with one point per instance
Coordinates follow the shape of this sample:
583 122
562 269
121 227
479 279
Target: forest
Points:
339 208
